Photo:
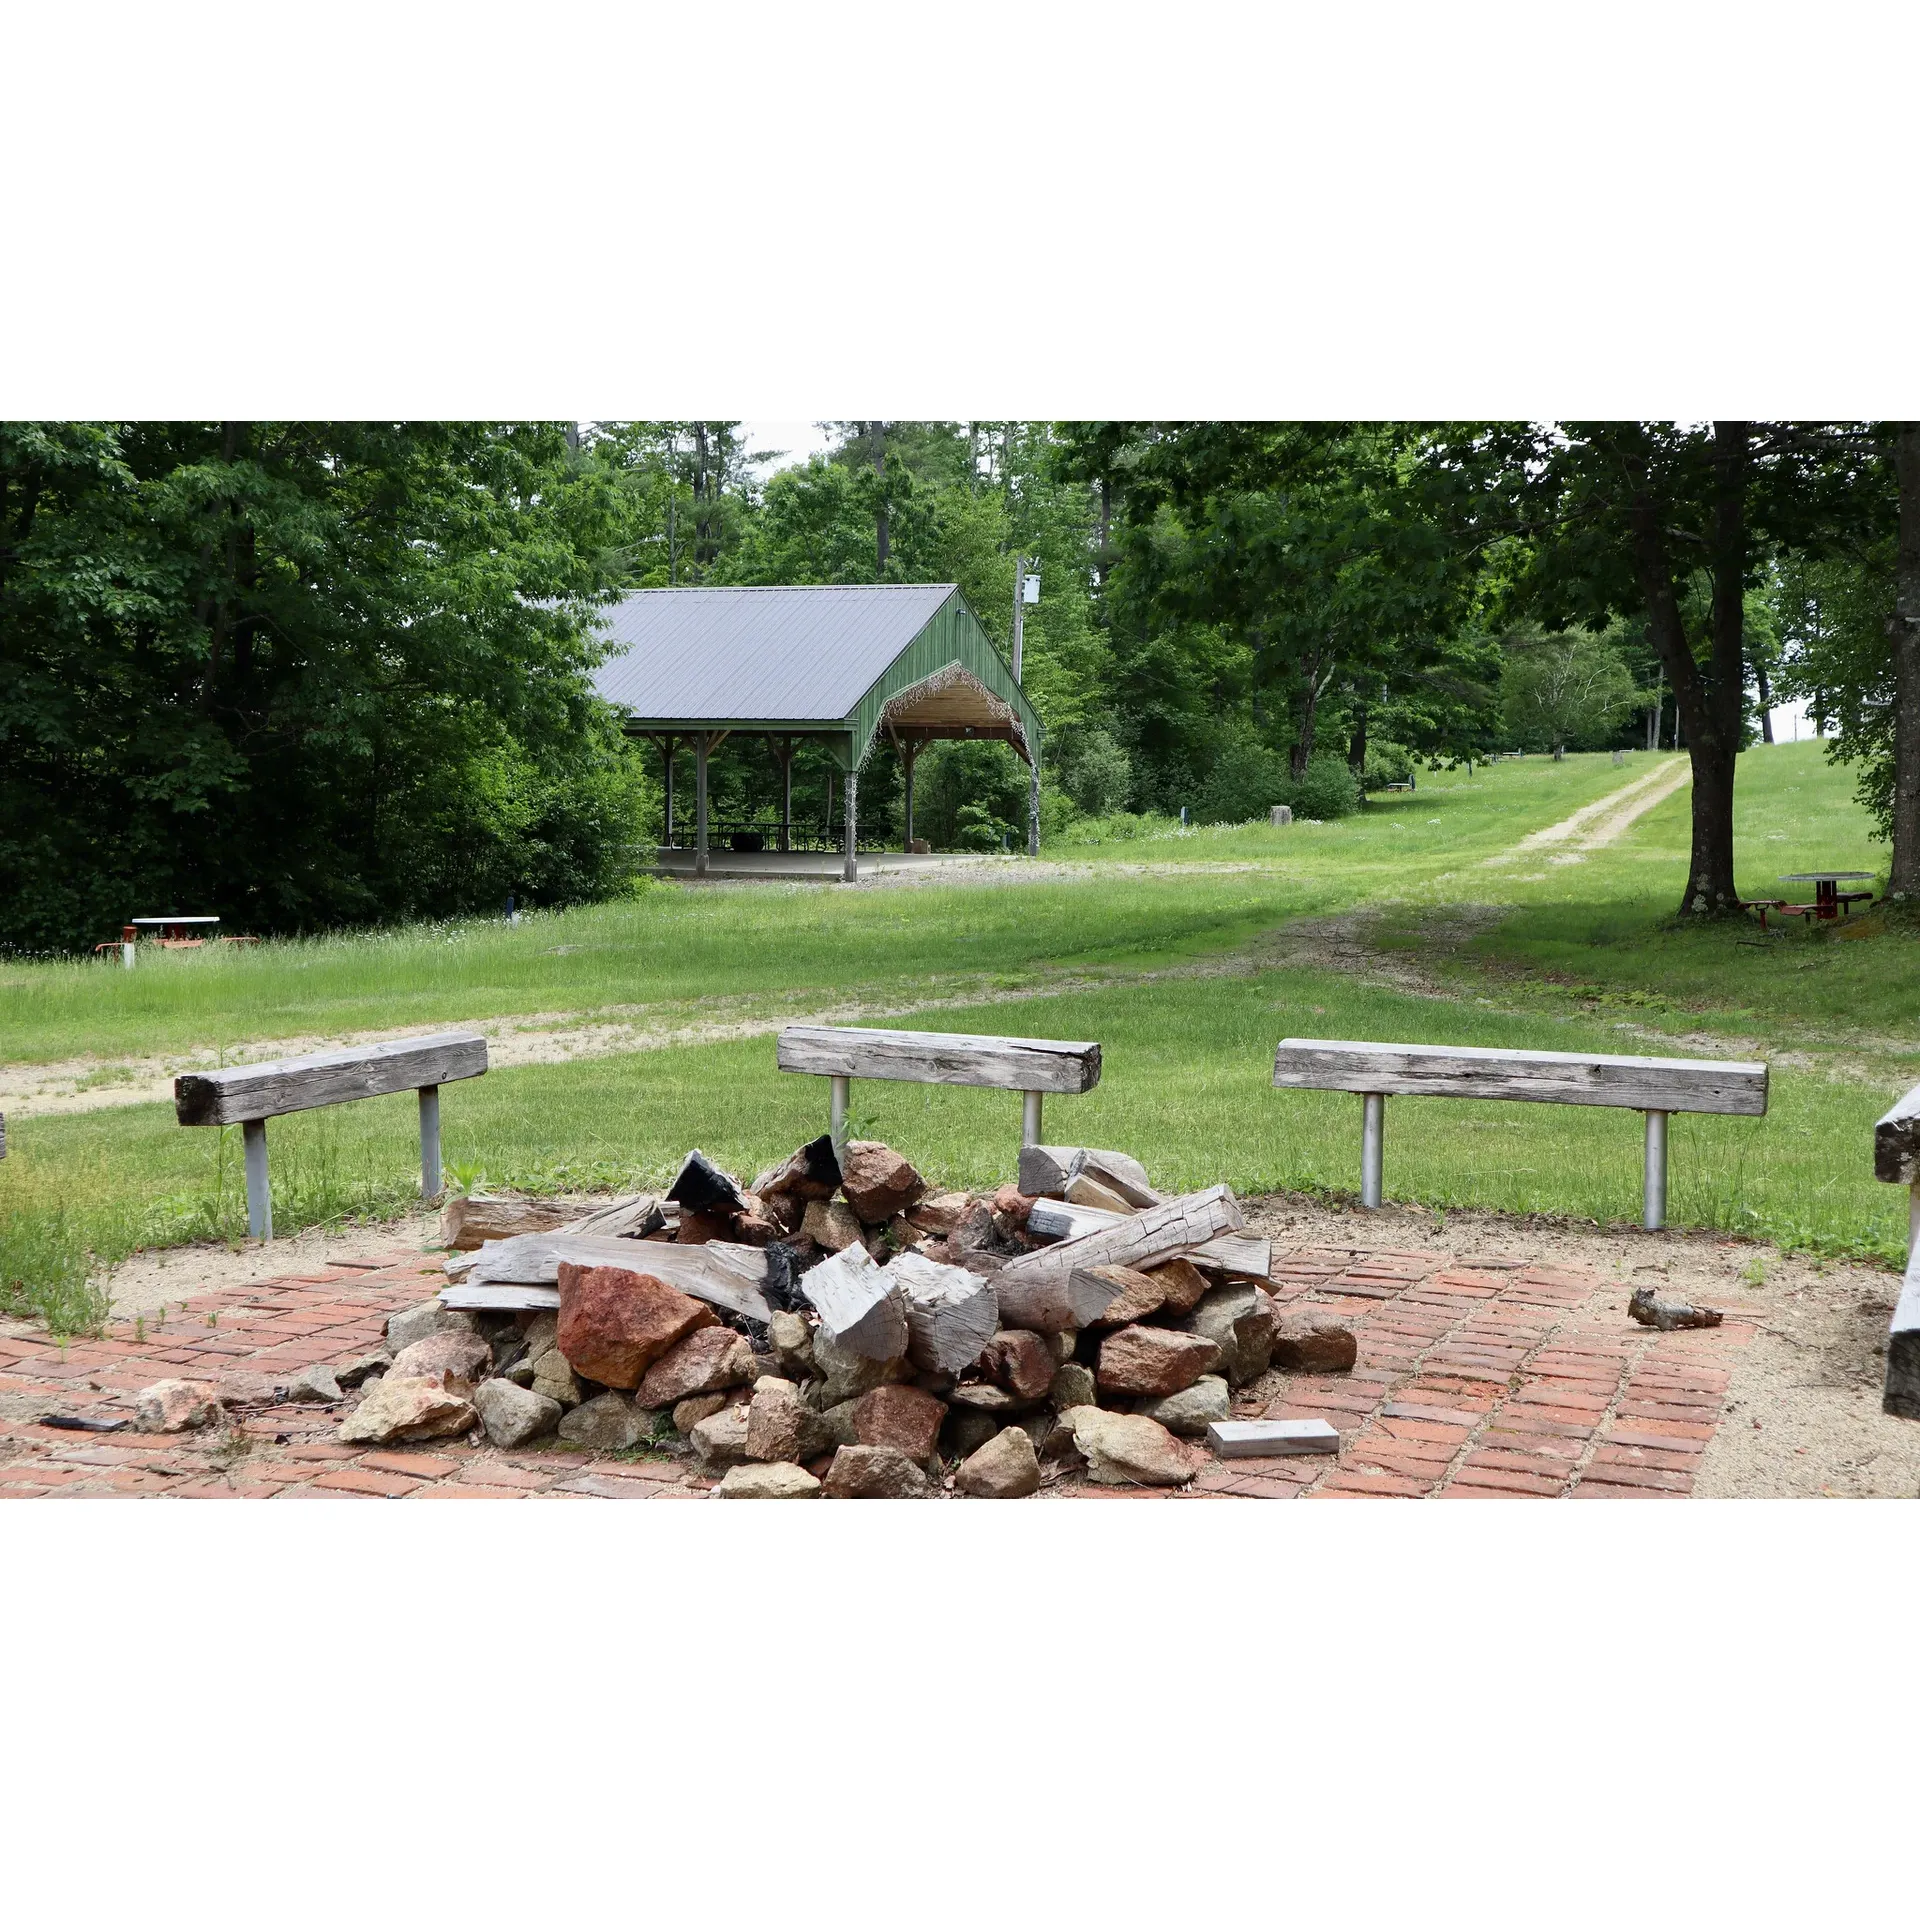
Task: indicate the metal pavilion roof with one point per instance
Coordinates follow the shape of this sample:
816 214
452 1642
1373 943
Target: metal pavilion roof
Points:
799 654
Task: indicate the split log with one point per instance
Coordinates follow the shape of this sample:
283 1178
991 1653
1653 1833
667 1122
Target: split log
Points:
1054 1287
1062 1220
813 1173
1125 1175
631 1217
1247 1256
462 1298
702 1186
1053 1301
1050 1171
1088 1189
473 1219
951 1313
719 1273
858 1304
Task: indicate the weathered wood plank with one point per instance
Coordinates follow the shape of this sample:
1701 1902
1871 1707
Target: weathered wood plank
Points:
1062 1220
1049 1171
1051 1287
1896 1141
470 1220
1090 1188
462 1298
1902 1395
1508 1073
946 1059
1255 1439
272 1087
951 1313
717 1272
1248 1255
858 1303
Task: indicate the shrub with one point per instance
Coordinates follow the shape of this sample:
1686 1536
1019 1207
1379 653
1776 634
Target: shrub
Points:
1099 776
1247 778
1387 762
1326 791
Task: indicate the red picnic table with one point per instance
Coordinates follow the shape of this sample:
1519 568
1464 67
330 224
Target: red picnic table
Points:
1829 903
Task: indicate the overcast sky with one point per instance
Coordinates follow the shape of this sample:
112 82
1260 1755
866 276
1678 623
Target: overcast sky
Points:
794 440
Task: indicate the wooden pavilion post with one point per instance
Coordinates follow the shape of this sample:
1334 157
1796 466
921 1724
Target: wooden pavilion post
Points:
1033 805
909 753
700 741
850 872
783 751
669 745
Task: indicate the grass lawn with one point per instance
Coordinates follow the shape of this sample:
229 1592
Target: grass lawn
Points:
1579 956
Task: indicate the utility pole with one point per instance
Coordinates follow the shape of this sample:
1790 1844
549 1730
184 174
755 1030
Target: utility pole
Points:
1026 593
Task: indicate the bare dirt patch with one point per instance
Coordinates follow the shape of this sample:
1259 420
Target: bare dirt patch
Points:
150 1281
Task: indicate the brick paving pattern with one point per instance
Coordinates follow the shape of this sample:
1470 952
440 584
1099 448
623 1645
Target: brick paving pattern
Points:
1477 1380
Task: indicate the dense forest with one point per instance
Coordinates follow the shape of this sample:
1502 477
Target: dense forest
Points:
308 675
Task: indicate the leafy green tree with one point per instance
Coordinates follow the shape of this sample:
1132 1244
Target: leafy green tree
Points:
1567 689
251 668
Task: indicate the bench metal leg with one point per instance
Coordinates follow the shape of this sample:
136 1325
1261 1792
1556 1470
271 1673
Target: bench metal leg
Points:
842 1088
1373 1127
253 1136
1653 1211
430 1180
1030 1119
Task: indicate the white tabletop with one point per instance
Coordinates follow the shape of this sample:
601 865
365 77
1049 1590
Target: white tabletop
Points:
1826 876
174 920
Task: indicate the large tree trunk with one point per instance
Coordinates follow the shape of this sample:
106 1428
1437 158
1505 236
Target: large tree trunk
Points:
1905 876
1711 702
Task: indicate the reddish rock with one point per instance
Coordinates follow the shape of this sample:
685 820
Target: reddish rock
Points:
689 1413
831 1227
877 1182
1184 1285
615 1323
1020 1361
696 1229
756 1224
456 1359
1140 1294
811 1174
940 1212
175 1406
1010 1208
904 1418
1154 1361
709 1360
1308 1340
786 1209
974 1229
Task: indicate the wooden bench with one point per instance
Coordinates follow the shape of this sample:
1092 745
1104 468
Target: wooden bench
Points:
1032 1068
1655 1087
251 1096
1896 1157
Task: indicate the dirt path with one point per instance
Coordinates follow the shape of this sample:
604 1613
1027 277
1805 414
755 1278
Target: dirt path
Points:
1601 822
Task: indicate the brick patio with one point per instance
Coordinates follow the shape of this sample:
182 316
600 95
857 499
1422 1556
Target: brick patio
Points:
1476 1380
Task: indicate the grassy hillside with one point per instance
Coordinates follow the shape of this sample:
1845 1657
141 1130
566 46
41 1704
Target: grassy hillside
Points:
1165 952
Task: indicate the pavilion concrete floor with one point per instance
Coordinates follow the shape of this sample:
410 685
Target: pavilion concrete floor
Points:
676 863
